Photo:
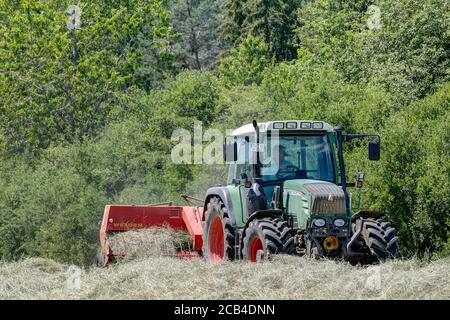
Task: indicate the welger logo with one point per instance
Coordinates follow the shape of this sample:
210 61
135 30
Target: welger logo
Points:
128 225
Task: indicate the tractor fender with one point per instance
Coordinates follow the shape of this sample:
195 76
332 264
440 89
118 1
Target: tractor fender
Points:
367 214
224 194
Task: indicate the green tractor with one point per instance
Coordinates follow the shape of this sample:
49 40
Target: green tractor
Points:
287 194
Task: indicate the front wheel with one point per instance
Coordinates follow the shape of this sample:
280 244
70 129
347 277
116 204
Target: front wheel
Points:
377 238
265 237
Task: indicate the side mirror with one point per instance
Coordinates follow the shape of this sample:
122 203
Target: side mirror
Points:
374 150
230 152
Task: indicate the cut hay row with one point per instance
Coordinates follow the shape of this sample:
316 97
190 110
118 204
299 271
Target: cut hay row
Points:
286 277
149 272
151 242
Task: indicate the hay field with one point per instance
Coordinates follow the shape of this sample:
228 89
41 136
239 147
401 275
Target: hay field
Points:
285 277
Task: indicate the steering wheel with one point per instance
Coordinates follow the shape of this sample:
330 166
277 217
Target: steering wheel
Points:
287 171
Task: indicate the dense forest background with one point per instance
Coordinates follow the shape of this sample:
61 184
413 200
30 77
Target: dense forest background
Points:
88 105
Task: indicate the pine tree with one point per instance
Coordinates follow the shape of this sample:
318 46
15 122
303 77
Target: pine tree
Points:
273 21
197 22
232 20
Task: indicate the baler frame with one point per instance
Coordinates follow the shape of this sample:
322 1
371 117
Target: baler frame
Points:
122 218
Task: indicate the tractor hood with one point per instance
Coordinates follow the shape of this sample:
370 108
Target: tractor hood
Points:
305 198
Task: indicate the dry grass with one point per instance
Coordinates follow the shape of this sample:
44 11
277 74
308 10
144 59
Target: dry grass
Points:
157 276
150 242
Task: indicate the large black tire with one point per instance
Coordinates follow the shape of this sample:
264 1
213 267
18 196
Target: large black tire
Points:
265 237
218 232
380 239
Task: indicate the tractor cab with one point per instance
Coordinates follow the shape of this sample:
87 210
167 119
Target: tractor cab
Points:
282 151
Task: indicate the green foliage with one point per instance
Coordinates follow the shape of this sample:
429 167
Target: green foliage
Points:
192 94
240 104
245 64
48 210
58 85
305 90
413 179
407 55
233 18
197 21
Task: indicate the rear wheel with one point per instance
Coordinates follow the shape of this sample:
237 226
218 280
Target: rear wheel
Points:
218 233
267 236
380 239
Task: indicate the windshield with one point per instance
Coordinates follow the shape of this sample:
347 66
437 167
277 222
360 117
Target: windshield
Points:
298 157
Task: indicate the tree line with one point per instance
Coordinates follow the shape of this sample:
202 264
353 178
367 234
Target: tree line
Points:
87 113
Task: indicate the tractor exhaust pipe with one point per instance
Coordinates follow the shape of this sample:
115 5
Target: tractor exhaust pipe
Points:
257 166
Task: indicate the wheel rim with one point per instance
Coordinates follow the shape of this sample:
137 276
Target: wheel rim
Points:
255 246
216 241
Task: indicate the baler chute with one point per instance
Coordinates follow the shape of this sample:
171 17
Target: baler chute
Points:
122 218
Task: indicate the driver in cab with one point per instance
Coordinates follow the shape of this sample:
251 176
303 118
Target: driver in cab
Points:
276 163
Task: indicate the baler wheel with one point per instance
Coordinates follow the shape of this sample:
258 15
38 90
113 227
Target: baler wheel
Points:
218 233
267 236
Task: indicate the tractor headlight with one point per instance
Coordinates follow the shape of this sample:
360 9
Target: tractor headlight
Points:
305 125
278 125
319 222
339 222
317 125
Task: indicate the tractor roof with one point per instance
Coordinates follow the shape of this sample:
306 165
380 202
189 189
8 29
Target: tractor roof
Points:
284 125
